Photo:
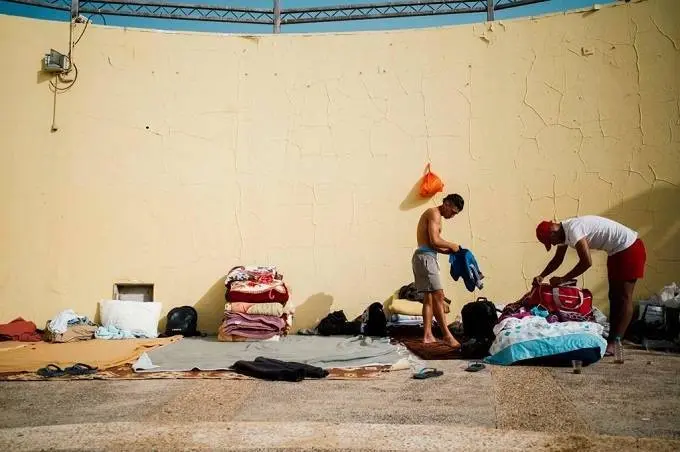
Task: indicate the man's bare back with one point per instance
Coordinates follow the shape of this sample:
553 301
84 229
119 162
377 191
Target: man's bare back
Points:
423 231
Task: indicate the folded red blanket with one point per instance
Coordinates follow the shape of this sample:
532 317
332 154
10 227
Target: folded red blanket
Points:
257 292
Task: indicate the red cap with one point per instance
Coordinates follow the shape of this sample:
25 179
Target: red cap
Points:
543 233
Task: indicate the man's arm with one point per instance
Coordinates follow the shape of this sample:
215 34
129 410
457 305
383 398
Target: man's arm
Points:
444 250
553 265
435 239
584 263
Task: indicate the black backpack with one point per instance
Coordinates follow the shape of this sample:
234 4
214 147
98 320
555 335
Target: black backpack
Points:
479 318
182 320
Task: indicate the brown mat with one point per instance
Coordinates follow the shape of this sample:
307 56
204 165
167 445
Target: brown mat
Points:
126 373
96 352
438 350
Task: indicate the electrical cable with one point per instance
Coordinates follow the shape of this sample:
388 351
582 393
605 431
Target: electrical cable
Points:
83 32
69 83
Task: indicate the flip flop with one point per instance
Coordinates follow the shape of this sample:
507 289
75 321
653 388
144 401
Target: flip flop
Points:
51 370
427 372
474 366
80 369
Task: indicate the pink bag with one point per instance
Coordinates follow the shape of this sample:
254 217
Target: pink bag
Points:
566 300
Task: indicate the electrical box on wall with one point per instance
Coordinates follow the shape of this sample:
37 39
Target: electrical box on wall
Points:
55 62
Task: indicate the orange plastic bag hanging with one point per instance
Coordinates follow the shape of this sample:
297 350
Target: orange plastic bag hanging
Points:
431 184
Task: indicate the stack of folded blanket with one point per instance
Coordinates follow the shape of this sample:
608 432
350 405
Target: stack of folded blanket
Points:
257 305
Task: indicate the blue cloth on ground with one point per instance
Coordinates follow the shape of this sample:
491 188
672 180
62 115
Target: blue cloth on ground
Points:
464 265
113 332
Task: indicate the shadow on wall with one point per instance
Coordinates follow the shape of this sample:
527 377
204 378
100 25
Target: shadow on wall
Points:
210 308
413 198
309 313
654 215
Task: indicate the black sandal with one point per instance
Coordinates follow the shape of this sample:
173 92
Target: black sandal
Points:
474 366
80 369
51 370
428 372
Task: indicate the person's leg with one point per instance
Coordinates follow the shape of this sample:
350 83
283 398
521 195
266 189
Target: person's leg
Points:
624 308
441 319
614 313
428 337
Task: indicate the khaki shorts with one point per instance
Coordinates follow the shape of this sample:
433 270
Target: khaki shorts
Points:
426 271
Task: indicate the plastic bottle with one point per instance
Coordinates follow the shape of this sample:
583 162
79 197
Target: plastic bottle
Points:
618 351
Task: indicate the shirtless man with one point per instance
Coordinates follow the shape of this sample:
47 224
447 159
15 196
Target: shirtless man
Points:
426 266
625 265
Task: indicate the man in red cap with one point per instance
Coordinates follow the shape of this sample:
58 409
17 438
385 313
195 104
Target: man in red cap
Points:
625 264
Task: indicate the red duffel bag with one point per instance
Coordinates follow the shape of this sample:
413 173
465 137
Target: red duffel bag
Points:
567 301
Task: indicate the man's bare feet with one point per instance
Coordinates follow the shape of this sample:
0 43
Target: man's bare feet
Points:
429 339
610 350
452 342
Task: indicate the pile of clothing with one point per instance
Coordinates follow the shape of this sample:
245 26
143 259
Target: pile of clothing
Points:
19 330
371 322
257 305
405 307
67 326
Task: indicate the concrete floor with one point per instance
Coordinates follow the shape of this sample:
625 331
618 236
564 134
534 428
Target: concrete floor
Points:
635 406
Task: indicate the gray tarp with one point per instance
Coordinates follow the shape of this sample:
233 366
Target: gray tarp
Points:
326 352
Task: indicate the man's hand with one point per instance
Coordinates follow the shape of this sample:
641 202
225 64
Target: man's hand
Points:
556 281
537 281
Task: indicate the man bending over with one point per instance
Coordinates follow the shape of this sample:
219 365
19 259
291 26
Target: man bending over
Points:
625 264
426 266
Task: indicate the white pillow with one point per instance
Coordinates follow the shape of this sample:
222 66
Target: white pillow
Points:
139 317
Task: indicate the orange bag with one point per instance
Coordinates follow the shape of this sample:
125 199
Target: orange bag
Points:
431 184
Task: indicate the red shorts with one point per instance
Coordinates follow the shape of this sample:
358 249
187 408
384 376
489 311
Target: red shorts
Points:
628 264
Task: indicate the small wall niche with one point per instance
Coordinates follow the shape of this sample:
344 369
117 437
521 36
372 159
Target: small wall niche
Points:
133 292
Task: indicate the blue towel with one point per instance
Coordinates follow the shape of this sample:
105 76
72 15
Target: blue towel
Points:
464 265
112 332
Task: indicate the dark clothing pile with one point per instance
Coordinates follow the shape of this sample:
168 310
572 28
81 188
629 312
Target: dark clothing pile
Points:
336 324
372 322
276 370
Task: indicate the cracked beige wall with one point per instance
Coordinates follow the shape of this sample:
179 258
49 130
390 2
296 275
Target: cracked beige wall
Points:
180 155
